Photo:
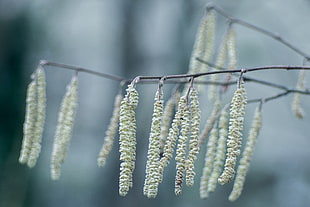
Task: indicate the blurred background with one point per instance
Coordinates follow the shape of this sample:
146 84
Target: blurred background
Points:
130 38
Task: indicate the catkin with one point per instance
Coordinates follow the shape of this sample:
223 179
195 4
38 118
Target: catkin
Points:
237 111
246 156
204 42
181 150
210 122
64 127
220 151
167 117
29 124
40 118
297 109
231 49
152 177
127 139
172 137
193 143
209 160
220 62
110 133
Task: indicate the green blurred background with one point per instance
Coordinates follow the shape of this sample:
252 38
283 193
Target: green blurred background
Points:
130 38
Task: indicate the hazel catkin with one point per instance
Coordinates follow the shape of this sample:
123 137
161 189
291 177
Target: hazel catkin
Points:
127 139
246 156
237 111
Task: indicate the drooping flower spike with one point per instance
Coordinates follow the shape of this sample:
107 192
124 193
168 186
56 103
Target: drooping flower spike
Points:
111 132
246 155
127 138
152 177
64 127
34 119
237 111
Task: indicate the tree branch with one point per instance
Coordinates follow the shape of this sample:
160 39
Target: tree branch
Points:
275 36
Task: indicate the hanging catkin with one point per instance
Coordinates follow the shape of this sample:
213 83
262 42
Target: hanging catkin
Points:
204 42
246 156
298 111
193 143
64 127
29 124
220 151
231 49
40 118
167 117
172 137
210 122
152 177
237 111
127 139
110 133
220 62
181 150
209 160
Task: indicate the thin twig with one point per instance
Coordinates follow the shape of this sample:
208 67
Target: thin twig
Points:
80 69
259 29
245 78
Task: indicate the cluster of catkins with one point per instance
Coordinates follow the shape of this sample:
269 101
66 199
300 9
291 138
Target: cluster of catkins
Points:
175 128
35 118
182 139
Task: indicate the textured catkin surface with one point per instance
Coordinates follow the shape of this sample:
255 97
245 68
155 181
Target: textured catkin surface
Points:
152 177
247 154
64 128
127 139
237 111
110 133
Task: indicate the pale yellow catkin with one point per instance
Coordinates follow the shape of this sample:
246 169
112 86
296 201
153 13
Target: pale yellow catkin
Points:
193 143
167 118
246 156
220 61
29 124
110 133
296 107
64 127
40 118
127 139
220 151
152 177
209 160
181 150
204 43
231 49
237 111
210 122
172 137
